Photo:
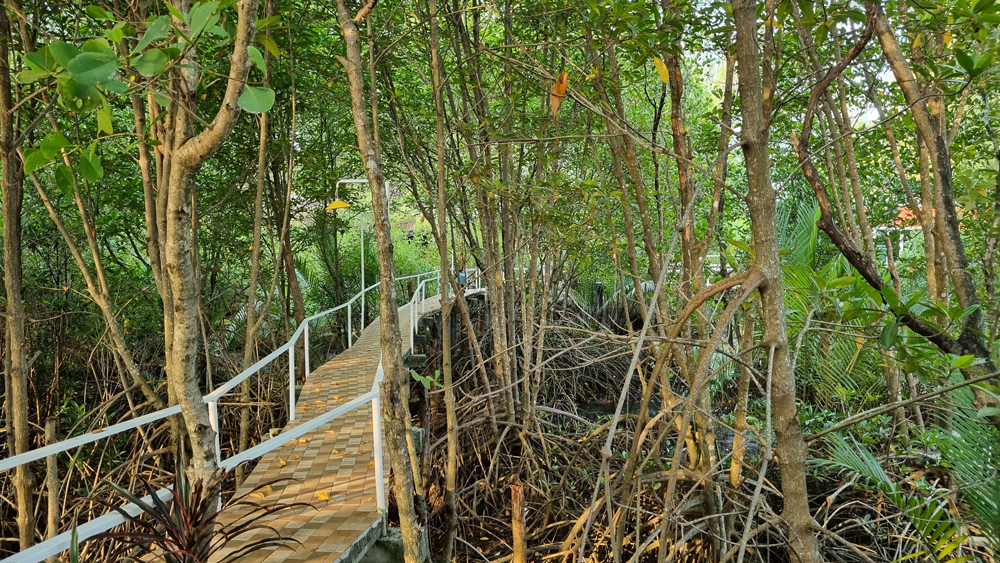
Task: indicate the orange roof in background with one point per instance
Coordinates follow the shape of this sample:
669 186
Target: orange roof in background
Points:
906 217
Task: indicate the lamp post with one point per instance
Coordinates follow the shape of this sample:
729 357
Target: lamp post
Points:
338 204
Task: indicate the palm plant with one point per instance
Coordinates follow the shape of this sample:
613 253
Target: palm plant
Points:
189 529
970 447
939 535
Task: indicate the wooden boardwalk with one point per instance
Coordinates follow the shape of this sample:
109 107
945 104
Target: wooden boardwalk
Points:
335 462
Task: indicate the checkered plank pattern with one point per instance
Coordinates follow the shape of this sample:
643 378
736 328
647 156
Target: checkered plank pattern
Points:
335 461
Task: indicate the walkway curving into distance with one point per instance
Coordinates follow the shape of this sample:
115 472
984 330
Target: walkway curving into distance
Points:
335 461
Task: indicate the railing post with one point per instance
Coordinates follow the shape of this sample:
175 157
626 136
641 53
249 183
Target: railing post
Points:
350 327
377 431
305 334
291 382
362 307
213 421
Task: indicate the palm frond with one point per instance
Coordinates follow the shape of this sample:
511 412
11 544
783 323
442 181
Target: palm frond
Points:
939 535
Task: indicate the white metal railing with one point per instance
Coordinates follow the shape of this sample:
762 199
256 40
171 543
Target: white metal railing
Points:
61 542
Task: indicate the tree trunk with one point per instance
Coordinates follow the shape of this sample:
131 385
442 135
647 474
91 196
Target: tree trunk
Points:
761 201
182 154
17 362
395 386
252 323
451 462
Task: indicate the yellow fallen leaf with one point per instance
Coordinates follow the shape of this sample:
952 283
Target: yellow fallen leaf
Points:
336 397
302 440
281 462
322 495
371 463
257 495
485 539
360 452
295 458
267 489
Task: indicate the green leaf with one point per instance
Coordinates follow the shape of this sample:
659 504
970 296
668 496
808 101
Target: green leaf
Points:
98 12
984 62
33 160
92 68
840 282
98 45
151 63
965 61
202 17
174 50
161 98
889 334
173 11
256 57
74 546
268 44
742 246
90 164
64 179
890 297
987 412
261 24
156 30
115 34
53 144
963 362
41 59
967 311
822 31
63 53
104 118
32 75
78 97
115 87
256 99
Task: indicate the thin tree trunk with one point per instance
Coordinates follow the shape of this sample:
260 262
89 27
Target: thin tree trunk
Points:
395 386
17 362
451 461
252 324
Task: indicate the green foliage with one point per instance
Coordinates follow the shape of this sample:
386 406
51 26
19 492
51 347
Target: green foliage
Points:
970 447
428 382
940 536
255 99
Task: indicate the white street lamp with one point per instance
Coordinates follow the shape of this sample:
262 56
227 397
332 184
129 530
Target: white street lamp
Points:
338 204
